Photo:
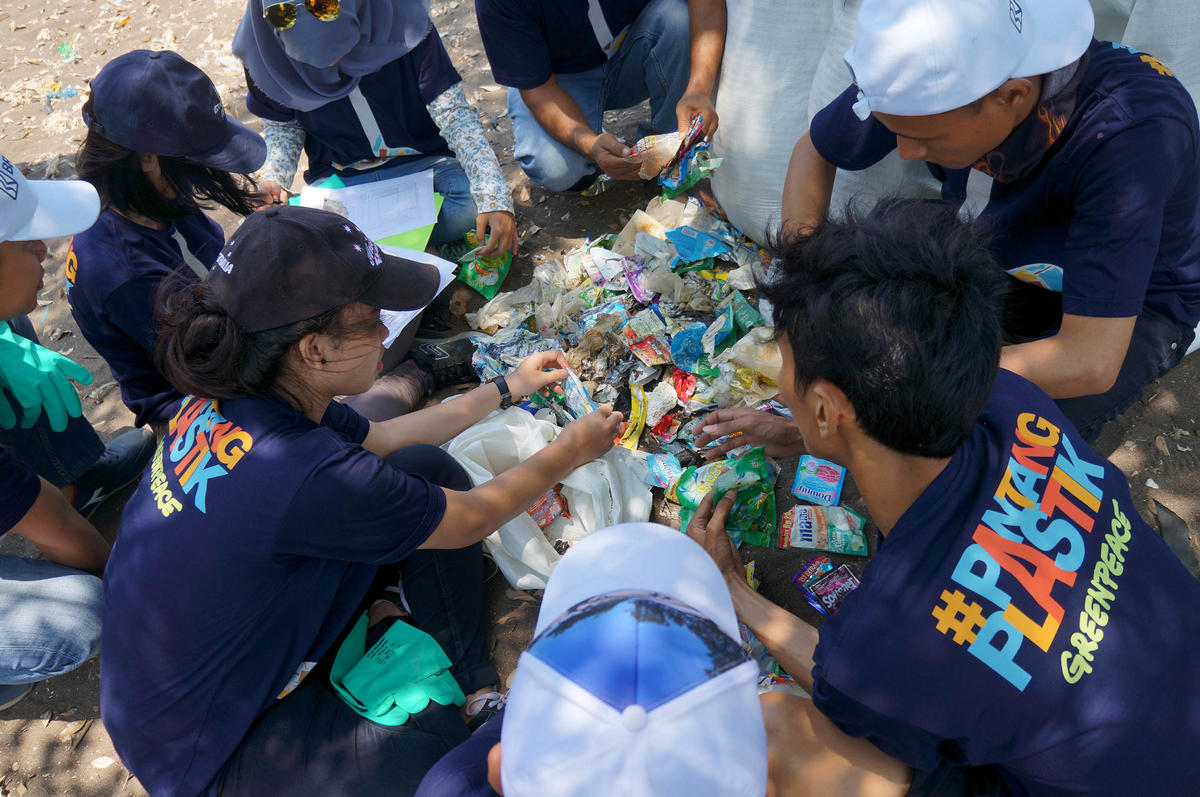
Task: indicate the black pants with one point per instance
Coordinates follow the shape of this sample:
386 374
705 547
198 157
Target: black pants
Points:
311 743
1157 346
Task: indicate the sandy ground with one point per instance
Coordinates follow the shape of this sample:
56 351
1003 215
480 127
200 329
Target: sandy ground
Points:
54 742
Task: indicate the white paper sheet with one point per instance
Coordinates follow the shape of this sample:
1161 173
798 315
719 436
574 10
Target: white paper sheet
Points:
397 320
382 209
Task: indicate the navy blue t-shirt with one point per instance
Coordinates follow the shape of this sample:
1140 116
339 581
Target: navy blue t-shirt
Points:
1111 216
114 269
527 41
243 554
397 125
1022 613
19 488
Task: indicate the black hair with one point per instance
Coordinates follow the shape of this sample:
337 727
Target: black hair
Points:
899 308
202 352
118 177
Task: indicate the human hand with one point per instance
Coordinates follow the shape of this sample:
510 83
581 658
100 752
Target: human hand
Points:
609 154
691 104
708 529
530 376
40 380
778 436
499 229
271 193
590 436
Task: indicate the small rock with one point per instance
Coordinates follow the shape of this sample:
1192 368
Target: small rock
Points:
103 762
1153 485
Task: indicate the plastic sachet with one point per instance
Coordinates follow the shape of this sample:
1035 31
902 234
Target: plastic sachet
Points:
818 481
752 475
834 529
484 274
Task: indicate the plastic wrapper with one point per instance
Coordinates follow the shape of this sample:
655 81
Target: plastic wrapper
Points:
653 153
685 385
716 333
693 244
647 322
665 430
834 529
745 316
814 569
484 274
641 223
758 351
496 355
827 593
575 396
548 508
637 417
752 475
687 349
643 374
650 349
818 481
635 278
664 470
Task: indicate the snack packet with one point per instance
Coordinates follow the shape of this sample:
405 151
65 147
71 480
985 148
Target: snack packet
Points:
550 506
484 274
833 529
576 397
637 417
827 593
752 475
818 481
664 470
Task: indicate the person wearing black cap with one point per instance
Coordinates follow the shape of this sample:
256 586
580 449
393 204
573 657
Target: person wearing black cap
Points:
269 510
158 145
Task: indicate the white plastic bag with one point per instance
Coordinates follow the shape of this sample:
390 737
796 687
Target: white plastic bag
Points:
599 494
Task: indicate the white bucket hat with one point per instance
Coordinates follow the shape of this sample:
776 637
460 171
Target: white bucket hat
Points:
34 209
924 57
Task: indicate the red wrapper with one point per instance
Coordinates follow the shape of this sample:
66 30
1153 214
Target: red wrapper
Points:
548 507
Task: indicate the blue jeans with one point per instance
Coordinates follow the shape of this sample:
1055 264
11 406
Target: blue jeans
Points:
49 619
458 207
58 457
653 61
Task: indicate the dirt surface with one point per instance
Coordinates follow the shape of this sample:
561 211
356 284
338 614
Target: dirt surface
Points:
53 742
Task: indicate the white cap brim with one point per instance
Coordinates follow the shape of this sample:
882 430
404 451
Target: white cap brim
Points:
64 207
639 556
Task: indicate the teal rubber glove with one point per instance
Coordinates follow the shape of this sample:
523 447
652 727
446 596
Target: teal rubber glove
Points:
40 381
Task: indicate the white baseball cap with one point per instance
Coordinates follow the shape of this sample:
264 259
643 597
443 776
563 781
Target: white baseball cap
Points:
636 682
33 209
923 57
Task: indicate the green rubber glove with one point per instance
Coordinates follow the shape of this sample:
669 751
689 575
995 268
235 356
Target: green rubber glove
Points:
40 380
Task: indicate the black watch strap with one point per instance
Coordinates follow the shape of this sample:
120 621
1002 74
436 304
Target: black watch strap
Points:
505 396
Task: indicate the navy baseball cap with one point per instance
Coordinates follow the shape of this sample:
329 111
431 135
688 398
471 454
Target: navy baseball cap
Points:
158 103
289 263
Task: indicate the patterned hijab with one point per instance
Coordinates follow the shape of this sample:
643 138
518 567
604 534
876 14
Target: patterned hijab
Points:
313 62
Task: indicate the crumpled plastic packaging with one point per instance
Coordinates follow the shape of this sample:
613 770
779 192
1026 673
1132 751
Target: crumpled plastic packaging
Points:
752 475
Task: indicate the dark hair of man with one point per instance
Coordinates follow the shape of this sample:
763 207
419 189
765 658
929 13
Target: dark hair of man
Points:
201 351
117 175
899 308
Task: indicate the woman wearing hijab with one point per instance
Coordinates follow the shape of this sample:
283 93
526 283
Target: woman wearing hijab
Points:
270 511
367 89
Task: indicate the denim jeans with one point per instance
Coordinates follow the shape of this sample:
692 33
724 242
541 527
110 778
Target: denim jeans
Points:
58 457
463 771
458 207
49 619
653 61
311 743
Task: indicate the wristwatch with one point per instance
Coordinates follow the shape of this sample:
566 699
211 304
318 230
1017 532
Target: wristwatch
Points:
505 395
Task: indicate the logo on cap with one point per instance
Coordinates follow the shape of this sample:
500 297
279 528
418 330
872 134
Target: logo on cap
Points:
8 178
374 255
1014 14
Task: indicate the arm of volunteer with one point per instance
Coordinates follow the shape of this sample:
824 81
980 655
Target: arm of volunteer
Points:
786 637
706 24
1082 359
807 188
560 116
62 534
435 425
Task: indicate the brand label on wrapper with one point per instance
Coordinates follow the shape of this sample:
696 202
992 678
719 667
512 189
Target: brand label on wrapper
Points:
818 481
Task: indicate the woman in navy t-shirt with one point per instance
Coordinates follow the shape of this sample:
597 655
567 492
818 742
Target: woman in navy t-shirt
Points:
269 511
158 145
369 92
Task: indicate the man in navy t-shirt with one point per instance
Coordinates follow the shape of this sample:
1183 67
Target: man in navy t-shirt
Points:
1094 155
566 63
1021 629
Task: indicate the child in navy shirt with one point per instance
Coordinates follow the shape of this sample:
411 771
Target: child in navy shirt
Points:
1094 151
1021 629
158 145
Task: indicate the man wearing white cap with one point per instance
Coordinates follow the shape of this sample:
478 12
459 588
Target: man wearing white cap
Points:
1094 151
49 609
637 684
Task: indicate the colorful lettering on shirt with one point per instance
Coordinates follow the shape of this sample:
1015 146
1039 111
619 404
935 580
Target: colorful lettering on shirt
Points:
1033 540
202 445
72 265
